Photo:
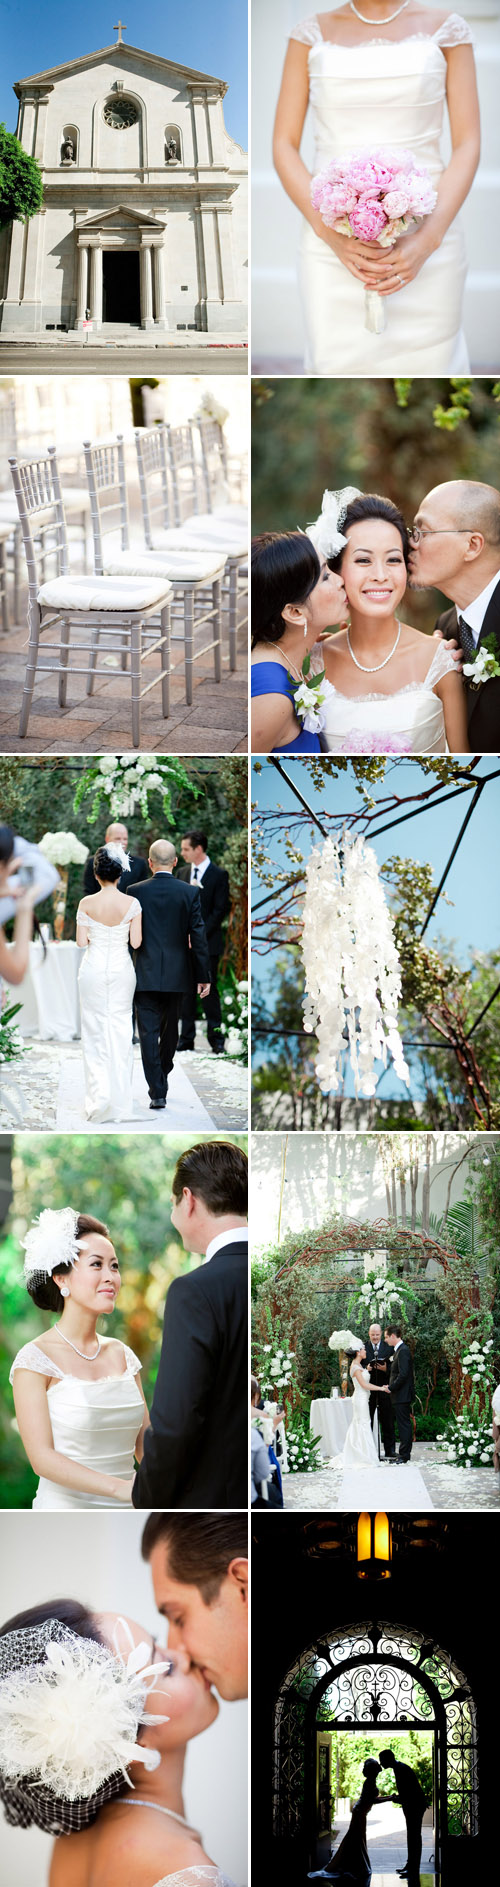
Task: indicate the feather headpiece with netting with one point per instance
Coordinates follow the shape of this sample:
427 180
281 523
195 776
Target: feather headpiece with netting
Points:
51 1242
117 851
69 1715
326 532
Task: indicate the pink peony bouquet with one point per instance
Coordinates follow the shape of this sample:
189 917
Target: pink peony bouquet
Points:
375 196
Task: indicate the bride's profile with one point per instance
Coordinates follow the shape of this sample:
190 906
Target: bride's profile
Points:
106 922
79 1403
392 688
359 1450
110 1793
351 1861
378 74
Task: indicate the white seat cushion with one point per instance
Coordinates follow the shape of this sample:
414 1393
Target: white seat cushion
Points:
222 538
109 592
180 566
233 514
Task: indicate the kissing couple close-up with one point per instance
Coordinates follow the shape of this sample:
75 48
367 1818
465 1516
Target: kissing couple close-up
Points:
335 666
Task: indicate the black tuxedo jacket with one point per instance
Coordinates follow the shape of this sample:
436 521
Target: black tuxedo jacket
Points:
410 1791
483 704
401 1380
138 867
214 894
379 1376
171 922
195 1453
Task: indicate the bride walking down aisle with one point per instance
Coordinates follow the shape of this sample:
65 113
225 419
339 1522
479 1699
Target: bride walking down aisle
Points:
376 76
107 922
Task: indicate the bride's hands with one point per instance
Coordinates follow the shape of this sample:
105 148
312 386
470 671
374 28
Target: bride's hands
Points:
403 262
361 258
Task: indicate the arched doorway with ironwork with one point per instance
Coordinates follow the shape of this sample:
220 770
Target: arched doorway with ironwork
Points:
384 1677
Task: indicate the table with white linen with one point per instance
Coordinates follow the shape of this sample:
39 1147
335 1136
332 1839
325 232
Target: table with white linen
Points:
329 1420
49 993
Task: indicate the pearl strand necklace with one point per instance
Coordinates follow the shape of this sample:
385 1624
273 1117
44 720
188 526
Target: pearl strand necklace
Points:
374 22
83 1353
378 665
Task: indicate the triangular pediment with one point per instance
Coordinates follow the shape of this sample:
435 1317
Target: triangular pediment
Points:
127 57
121 216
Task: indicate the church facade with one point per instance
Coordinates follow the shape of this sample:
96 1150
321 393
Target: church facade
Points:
144 219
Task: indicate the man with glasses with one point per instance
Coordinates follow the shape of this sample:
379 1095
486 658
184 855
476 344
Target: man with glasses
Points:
455 547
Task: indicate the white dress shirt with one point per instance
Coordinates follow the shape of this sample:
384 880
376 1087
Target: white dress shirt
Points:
200 870
475 612
235 1236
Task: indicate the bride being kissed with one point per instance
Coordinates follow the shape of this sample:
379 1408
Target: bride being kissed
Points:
375 686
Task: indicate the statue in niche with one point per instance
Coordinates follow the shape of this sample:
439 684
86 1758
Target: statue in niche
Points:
68 152
172 152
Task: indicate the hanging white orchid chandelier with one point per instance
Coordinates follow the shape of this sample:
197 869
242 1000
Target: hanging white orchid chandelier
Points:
353 978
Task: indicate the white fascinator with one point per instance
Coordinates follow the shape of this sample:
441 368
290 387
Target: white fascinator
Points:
115 850
69 1715
326 533
51 1242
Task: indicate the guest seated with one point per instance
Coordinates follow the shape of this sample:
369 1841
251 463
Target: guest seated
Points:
266 1474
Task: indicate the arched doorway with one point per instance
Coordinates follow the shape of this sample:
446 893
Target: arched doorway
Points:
386 1677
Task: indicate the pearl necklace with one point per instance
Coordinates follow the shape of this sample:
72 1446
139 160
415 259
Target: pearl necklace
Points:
286 658
83 1353
138 1801
378 665
387 16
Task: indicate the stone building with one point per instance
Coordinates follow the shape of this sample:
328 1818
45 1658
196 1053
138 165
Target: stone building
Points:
144 218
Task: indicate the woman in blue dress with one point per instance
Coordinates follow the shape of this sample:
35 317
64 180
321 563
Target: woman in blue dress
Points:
296 598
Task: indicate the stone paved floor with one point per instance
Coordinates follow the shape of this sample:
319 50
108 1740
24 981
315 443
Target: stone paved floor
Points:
386 1844
221 1084
450 1488
216 722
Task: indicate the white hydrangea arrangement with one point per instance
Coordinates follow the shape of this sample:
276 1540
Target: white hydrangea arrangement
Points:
235 1021
379 1297
121 783
477 1363
303 1449
466 1442
63 849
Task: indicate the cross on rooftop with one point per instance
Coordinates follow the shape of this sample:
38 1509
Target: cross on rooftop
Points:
120 28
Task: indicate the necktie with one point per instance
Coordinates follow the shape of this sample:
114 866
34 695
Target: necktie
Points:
195 874
467 642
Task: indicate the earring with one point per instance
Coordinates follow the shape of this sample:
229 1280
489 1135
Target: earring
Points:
64 1290
306 625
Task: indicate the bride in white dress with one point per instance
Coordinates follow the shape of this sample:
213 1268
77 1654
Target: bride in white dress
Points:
106 922
391 688
78 1396
111 1793
380 74
359 1450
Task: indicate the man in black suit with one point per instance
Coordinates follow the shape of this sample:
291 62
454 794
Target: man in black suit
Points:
196 1451
378 1360
173 952
413 1802
457 550
119 835
402 1388
214 891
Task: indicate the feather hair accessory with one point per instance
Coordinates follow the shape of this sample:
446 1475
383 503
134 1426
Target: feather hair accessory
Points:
70 1710
115 850
326 532
51 1242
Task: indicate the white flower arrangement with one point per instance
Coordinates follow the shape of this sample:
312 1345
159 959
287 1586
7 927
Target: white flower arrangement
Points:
351 963
303 1449
277 1373
466 1441
485 666
63 848
210 408
343 1340
235 1003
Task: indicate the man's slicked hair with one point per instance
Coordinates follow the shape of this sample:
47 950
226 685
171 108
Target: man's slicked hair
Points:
199 1548
216 1172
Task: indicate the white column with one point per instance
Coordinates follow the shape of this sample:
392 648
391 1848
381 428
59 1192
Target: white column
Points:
41 124
95 303
159 284
81 304
29 120
146 285
225 232
212 264
34 236
198 100
14 284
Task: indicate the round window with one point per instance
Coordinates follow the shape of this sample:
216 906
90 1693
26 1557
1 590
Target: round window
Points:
120 112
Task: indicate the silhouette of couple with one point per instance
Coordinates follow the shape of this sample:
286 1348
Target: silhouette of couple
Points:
351 1862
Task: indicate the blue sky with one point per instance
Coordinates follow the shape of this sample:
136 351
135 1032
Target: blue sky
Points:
472 922
211 38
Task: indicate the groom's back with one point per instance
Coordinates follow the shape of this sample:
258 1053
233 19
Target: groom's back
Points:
163 960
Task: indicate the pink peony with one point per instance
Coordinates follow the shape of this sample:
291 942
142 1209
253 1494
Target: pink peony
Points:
422 195
396 203
368 175
368 221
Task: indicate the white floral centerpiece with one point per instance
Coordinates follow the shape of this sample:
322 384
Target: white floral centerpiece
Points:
235 1021
62 849
120 784
466 1442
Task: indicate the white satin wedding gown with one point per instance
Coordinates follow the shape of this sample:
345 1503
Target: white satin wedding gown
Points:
93 1423
408 722
386 91
106 982
359 1450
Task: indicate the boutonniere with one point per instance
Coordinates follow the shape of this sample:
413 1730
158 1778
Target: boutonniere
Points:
486 665
308 698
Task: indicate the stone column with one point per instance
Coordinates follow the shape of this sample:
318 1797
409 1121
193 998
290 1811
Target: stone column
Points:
34 239
216 125
41 123
199 107
225 235
212 260
95 302
146 283
15 277
27 138
159 283
81 303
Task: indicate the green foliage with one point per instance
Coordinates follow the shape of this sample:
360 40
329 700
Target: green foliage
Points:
303 1449
132 1196
409 1746
21 189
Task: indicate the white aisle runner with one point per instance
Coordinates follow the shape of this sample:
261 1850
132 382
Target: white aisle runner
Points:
184 1111
388 1489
